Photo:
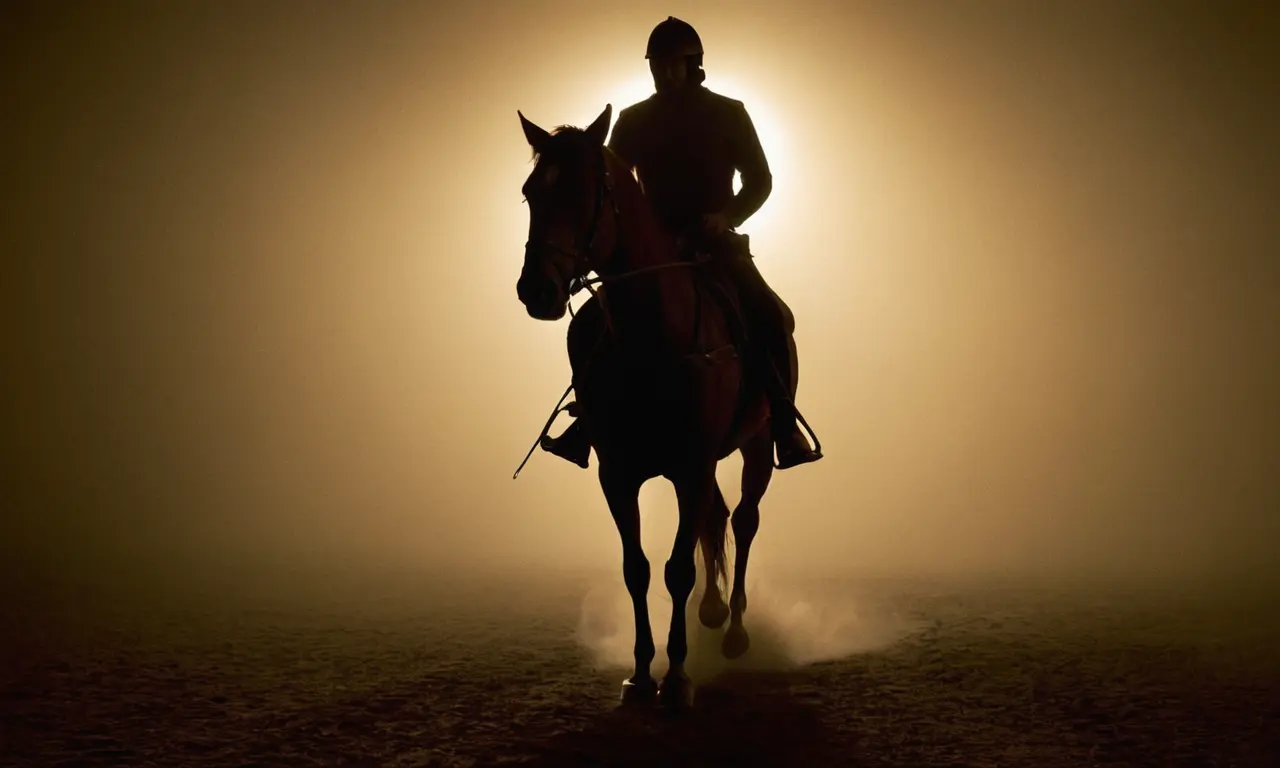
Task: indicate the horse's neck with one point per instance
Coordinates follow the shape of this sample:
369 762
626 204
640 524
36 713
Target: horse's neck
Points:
649 295
644 244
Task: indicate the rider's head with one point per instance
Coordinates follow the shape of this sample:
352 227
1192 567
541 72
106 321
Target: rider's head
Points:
675 55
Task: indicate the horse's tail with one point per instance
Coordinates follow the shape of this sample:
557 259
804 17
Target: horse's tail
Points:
712 537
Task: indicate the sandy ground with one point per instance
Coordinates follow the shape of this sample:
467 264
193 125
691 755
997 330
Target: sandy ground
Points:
523 671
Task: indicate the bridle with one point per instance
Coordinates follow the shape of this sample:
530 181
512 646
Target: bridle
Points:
582 257
583 254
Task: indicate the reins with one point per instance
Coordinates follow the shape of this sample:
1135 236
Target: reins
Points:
604 189
587 285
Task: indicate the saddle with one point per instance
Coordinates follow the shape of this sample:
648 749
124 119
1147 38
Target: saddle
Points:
714 282
699 247
707 252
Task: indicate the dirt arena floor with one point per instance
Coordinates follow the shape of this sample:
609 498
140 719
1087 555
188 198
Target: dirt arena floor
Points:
525 671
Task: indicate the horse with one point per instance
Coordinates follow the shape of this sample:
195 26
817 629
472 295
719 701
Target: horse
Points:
658 378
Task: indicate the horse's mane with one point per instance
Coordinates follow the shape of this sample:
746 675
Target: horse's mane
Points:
564 139
565 143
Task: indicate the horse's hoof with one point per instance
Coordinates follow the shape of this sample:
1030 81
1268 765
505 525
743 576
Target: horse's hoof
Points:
736 642
675 694
639 692
713 612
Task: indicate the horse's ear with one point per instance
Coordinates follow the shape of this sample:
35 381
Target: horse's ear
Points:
536 137
600 128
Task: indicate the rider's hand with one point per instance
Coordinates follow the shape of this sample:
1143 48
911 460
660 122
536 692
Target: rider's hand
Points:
715 223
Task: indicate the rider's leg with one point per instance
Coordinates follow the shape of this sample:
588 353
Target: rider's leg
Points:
574 444
776 362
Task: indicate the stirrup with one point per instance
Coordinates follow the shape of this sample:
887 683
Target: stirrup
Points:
802 455
560 406
556 447
796 458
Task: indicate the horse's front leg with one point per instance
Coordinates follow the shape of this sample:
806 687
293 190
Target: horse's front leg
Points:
695 494
623 495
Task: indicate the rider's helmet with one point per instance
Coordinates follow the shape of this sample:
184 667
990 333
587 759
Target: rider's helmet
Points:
673 37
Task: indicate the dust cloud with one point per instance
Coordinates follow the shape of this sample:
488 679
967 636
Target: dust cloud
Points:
260 321
789 626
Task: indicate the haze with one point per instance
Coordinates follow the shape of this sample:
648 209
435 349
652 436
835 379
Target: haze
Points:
259 265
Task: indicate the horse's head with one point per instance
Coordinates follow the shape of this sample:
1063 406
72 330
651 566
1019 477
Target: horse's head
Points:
569 231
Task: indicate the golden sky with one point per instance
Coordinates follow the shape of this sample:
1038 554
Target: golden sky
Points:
259 268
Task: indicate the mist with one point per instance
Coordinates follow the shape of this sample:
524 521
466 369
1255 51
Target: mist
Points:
259 269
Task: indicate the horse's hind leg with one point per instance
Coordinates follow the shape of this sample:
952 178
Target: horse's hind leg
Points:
713 611
623 496
757 471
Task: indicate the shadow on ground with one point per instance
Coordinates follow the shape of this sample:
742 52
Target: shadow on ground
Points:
747 719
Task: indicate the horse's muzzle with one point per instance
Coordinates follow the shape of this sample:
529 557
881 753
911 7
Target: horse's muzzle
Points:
542 297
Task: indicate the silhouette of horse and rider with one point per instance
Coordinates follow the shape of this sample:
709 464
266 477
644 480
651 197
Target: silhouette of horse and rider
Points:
683 354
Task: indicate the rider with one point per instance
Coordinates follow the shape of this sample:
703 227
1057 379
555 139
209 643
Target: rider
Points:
685 142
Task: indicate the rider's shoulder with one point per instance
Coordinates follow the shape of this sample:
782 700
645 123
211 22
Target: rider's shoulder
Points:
720 100
637 110
728 110
720 103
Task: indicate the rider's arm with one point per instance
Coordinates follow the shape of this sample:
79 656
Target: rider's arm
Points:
749 159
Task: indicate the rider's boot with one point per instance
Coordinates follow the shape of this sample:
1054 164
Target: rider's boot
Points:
572 445
779 376
792 446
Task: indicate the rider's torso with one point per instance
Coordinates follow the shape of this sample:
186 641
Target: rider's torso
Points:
684 152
